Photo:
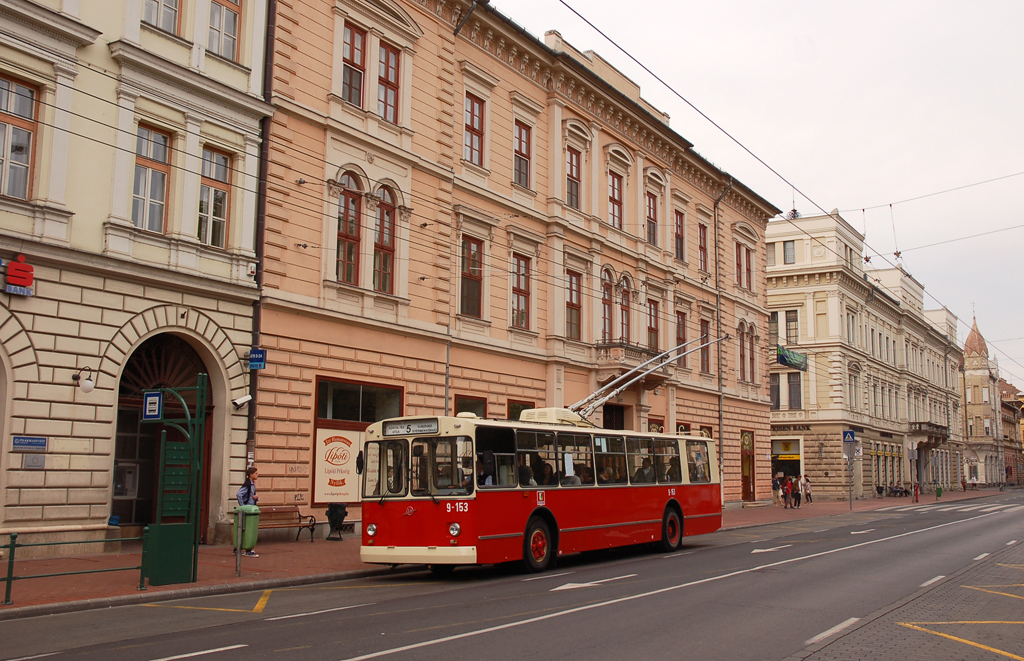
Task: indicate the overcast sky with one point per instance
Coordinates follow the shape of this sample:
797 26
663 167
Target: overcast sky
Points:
857 104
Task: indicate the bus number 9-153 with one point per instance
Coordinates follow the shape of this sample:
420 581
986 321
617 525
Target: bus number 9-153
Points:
457 507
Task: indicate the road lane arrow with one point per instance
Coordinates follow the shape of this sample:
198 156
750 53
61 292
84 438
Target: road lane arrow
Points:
574 586
777 548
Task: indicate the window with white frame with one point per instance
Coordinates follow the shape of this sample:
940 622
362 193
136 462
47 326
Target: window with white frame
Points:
349 209
224 28
473 137
789 252
521 150
573 304
387 83
795 391
214 196
606 306
702 247
17 132
572 177
624 312
615 199
652 218
769 254
520 291
680 235
162 14
652 324
152 172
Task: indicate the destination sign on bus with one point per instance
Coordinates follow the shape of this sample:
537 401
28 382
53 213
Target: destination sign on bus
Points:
411 427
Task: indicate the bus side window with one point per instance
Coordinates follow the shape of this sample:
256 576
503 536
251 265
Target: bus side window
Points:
666 456
576 465
496 448
698 462
640 459
610 460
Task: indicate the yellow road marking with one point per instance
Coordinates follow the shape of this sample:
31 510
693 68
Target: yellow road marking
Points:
1000 564
1005 594
964 641
257 609
971 622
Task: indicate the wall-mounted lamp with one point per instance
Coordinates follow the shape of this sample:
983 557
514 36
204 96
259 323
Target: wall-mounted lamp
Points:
86 384
300 181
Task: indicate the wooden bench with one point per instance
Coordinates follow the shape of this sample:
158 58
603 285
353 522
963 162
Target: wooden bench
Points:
287 516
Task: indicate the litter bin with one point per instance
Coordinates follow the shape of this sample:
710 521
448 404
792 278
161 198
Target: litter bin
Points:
252 522
938 492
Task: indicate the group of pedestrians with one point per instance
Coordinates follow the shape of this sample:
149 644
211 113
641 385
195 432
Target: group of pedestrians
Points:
790 491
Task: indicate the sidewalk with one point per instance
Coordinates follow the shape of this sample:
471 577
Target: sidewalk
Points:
286 563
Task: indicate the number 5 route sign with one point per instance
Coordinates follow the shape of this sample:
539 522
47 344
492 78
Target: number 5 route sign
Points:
152 405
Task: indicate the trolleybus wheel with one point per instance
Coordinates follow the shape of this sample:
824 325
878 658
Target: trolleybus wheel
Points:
537 548
441 570
671 531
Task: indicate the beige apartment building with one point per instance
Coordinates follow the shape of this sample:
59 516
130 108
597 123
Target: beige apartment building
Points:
127 211
878 365
991 426
490 222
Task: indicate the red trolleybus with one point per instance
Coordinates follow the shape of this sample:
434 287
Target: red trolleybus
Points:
447 491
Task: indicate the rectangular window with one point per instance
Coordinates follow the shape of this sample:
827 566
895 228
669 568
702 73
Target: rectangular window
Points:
475 405
743 354
773 389
347 268
384 243
224 28
472 276
162 14
702 247
984 394
615 200
573 306
681 336
521 146
795 393
354 59
515 408
680 243
17 129
739 264
705 350
152 170
624 316
472 149
652 325
606 312
387 84
773 329
770 254
652 219
750 355
749 259
792 327
353 402
572 177
520 291
213 198
789 252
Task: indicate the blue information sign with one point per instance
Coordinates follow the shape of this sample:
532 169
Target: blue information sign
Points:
849 436
28 443
257 359
152 405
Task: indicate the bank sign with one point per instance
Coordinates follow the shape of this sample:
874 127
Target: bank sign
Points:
20 277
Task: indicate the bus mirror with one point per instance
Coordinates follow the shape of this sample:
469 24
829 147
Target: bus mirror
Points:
359 463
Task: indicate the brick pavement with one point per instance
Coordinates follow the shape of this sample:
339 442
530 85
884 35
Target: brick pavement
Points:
284 563
974 614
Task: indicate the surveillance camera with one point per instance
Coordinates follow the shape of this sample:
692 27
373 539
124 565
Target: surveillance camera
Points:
241 401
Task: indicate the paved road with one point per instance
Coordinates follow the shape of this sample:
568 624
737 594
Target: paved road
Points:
760 593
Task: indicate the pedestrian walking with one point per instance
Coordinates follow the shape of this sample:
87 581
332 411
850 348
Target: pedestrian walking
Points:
807 490
775 489
974 483
963 484
797 487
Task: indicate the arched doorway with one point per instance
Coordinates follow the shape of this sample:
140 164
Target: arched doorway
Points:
163 361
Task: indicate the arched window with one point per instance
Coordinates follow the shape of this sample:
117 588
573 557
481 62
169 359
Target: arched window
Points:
349 207
606 306
384 243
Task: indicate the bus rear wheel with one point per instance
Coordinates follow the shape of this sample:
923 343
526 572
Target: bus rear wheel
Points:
671 531
537 547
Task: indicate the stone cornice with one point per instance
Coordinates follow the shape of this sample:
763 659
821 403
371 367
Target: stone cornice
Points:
61 26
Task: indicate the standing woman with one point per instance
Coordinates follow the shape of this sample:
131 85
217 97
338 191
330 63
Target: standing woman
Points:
247 496
807 490
797 486
786 491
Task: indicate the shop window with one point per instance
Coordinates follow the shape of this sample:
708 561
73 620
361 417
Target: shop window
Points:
355 402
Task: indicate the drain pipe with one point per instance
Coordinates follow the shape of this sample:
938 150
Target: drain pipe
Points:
718 316
261 224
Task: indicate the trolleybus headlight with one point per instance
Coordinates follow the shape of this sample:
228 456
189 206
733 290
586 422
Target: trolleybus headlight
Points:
454 529
371 529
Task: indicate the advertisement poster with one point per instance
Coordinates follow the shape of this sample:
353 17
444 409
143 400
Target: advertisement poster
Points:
335 479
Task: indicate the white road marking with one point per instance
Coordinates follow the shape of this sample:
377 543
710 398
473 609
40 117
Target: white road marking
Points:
932 580
817 531
836 629
537 578
328 610
574 586
993 509
37 656
970 508
644 595
213 651
1011 542
911 508
1014 509
777 548
861 532
886 509
983 555
950 509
